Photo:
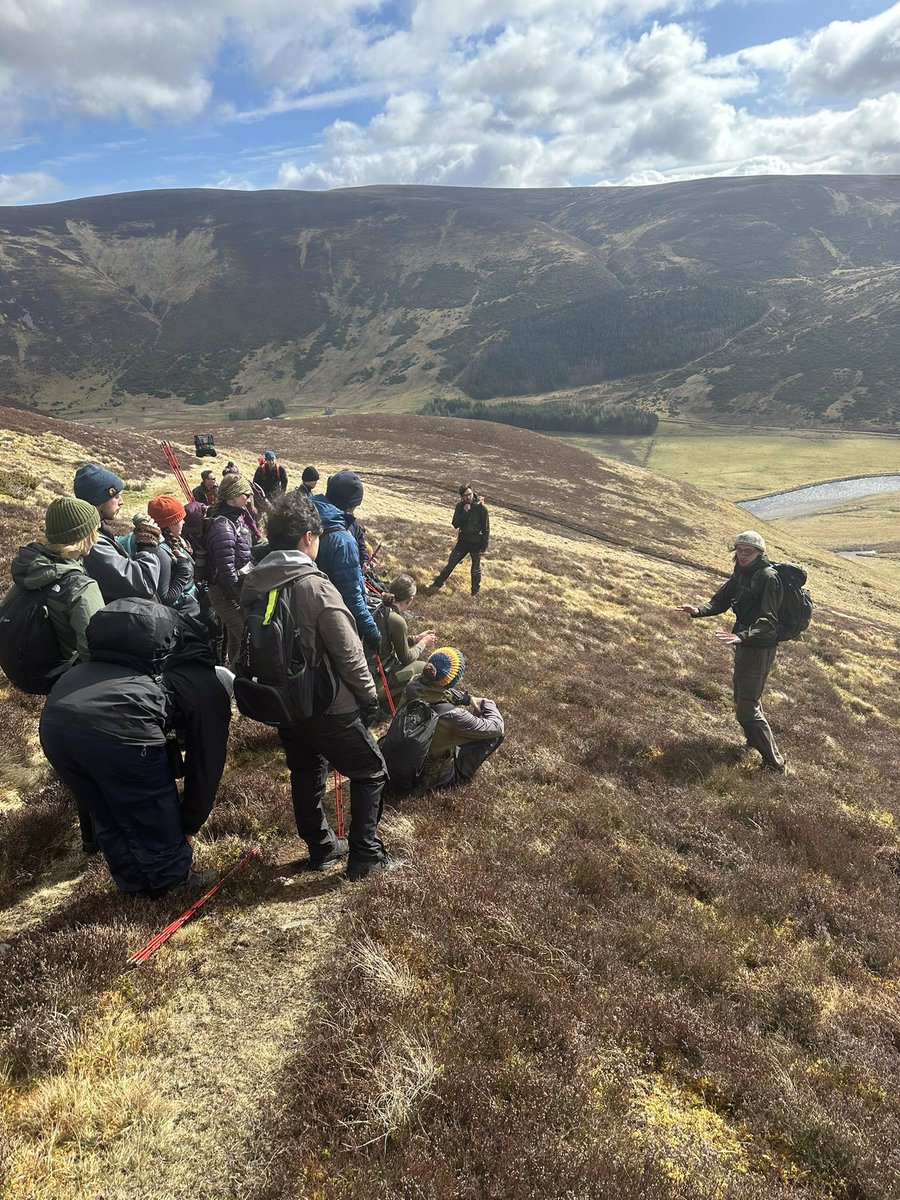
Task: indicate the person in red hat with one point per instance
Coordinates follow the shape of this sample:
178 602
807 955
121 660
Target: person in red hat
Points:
176 588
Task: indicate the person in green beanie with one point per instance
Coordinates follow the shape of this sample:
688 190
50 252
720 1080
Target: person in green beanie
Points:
56 567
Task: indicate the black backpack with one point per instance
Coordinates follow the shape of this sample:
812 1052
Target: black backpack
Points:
30 655
406 744
274 684
796 607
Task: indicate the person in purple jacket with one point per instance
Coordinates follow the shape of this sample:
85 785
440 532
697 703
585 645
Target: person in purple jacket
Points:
228 549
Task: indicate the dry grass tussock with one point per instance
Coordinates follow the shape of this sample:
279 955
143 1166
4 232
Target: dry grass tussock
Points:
622 963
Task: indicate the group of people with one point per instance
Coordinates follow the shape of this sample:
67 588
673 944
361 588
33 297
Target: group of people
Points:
145 619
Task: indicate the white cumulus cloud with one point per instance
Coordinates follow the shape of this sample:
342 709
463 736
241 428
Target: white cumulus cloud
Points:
30 187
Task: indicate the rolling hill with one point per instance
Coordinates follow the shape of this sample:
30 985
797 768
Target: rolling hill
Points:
739 299
621 963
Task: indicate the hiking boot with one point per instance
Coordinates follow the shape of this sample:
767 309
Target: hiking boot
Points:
340 849
90 848
194 881
362 870
778 769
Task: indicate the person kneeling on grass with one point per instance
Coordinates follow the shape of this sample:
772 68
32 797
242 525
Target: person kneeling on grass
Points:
104 727
402 656
469 728
345 703
754 593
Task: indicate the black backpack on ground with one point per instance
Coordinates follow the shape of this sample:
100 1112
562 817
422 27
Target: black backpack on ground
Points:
406 744
796 607
274 684
30 655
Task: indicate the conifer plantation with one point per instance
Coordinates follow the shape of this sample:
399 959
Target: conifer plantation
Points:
622 963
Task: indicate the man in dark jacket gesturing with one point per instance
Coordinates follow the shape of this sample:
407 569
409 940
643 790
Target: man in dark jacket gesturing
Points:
471 518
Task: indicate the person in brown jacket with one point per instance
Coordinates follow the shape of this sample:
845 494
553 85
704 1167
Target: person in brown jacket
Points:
347 703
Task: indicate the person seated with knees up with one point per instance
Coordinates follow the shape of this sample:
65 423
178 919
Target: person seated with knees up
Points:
469 728
402 656
104 731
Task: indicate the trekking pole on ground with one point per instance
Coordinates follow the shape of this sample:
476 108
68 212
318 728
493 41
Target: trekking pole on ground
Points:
172 459
141 956
338 801
387 690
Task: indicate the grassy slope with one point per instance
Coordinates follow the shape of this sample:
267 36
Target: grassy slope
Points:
622 964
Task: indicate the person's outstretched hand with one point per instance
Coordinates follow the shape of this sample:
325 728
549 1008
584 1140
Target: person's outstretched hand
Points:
690 609
728 639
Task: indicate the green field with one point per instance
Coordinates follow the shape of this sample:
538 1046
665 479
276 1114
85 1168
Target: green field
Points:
739 466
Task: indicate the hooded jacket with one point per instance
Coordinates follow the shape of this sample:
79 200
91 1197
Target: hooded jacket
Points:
151 671
72 596
119 575
474 526
323 622
754 593
456 726
339 558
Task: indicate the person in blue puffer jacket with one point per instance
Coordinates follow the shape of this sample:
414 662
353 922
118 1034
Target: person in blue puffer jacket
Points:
339 553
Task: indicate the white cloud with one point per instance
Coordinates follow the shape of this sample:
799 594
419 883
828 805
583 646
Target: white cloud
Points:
30 187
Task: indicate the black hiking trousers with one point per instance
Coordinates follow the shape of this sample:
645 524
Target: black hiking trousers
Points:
457 554
342 740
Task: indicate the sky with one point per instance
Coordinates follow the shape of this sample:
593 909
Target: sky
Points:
101 96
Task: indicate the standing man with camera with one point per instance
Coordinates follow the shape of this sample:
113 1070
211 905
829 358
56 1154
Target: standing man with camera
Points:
470 518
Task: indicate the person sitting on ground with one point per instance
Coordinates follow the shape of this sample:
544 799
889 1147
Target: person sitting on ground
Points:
271 476
207 490
754 593
469 728
339 550
176 576
118 574
309 479
228 548
347 704
471 518
402 656
104 727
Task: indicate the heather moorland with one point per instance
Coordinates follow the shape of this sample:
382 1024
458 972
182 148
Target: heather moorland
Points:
621 964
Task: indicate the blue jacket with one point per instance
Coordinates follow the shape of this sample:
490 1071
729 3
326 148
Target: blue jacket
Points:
339 558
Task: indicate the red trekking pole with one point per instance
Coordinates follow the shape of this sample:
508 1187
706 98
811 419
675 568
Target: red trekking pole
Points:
141 956
172 459
338 801
387 690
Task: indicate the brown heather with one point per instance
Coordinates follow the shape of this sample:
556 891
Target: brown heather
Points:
622 965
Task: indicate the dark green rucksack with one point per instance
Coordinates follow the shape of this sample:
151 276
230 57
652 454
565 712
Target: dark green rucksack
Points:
796 607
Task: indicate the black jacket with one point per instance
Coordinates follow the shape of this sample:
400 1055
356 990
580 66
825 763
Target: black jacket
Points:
151 672
474 526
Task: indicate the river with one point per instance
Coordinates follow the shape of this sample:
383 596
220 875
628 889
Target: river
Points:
817 497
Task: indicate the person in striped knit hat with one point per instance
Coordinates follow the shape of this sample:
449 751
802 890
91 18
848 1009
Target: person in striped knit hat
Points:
469 728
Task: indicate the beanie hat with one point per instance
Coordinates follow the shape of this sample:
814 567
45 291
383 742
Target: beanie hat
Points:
310 475
344 490
166 510
270 456
749 538
449 665
68 520
230 469
96 485
232 486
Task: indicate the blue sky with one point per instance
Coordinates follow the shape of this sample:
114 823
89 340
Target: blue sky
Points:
120 95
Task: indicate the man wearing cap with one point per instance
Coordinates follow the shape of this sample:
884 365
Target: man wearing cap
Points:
753 592
271 476
339 550
118 575
309 479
